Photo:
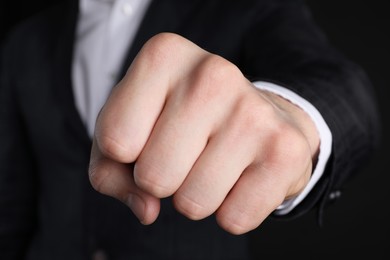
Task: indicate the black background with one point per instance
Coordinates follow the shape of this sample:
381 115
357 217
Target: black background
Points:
357 225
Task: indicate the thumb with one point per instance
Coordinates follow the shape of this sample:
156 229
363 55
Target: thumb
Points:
116 180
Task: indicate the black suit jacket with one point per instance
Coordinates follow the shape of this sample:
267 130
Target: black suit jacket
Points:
48 209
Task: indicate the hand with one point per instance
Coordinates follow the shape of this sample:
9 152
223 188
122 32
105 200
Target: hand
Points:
186 123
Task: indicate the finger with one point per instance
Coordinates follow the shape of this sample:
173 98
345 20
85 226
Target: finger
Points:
191 114
258 192
216 171
116 180
130 113
173 147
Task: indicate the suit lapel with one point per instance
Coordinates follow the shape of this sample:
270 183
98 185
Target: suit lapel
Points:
62 72
161 16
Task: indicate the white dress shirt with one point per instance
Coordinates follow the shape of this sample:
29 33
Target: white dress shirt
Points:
105 30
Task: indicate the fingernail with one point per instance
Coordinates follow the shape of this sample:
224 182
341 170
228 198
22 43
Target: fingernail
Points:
137 205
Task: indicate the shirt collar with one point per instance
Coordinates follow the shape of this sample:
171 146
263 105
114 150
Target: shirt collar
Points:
84 5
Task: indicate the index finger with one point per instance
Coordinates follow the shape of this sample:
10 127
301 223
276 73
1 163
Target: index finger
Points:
116 180
130 113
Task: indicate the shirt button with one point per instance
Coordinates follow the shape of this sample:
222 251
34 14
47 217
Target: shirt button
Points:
99 255
334 195
127 9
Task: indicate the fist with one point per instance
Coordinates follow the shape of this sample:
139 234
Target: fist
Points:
186 123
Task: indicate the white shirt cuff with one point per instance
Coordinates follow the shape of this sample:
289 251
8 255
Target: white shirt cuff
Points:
325 143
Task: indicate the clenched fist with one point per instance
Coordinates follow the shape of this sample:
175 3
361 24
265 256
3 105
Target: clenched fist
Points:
186 123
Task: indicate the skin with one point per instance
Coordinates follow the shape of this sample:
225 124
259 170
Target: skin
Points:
186 123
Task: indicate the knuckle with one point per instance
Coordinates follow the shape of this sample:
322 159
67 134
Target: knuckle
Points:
284 140
165 39
254 117
236 226
262 117
294 145
213 77
97 177
249 123
189 207
158 49
152 180
115 150
217 71
239 220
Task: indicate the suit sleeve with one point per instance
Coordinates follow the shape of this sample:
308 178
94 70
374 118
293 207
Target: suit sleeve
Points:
17 169
286 47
